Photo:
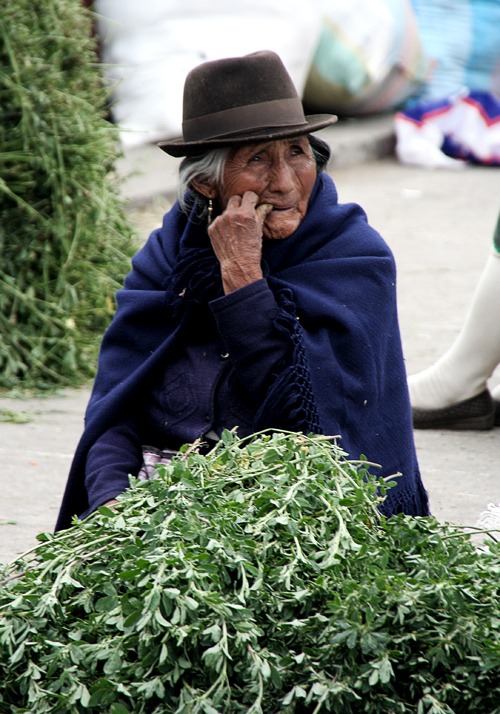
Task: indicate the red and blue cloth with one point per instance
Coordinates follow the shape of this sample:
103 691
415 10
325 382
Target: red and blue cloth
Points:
465 127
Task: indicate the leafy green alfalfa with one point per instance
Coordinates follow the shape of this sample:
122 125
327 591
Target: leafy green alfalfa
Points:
13 416
257 578
65 241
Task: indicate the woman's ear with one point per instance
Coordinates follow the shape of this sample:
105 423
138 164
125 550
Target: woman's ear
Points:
205 189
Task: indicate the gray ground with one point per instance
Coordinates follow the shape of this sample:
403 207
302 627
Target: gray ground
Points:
439 225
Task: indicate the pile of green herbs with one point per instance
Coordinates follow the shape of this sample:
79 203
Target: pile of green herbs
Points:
65 240
257 578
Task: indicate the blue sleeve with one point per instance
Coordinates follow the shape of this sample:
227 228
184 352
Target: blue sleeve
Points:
115 455
257 350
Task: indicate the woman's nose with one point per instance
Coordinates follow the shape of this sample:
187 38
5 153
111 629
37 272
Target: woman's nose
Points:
281 176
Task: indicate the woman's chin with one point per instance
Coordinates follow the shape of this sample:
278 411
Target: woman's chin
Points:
278 227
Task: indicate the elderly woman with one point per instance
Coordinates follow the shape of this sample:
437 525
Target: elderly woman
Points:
260 303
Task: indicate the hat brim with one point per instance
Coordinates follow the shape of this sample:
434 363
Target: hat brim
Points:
178 147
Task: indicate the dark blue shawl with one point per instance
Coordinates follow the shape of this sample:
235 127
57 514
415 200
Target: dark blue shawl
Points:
335 282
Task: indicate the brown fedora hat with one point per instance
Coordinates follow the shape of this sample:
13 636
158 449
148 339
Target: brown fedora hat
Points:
238 100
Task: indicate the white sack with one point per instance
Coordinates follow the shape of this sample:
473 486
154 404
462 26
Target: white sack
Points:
149 47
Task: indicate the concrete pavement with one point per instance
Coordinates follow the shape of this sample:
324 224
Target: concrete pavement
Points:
439 225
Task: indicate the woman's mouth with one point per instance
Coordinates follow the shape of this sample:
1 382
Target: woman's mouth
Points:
281 208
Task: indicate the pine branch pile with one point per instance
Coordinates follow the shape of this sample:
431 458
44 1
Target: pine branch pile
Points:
65 241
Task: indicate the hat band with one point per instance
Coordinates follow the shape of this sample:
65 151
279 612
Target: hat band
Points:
262 115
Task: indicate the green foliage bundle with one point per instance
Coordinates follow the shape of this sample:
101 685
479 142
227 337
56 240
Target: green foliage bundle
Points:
260 579
65 242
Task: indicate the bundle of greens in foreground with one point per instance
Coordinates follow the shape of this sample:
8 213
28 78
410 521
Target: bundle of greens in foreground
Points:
258 578
65 242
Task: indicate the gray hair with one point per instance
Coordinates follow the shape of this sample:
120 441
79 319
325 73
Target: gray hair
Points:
209 168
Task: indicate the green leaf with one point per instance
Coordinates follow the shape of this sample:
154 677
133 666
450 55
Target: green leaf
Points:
385 670
117 708
113 665
106 604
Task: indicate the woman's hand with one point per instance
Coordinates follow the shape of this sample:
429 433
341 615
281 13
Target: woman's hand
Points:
236 237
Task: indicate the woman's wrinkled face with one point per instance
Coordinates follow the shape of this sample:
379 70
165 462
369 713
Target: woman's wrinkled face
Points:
280 172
